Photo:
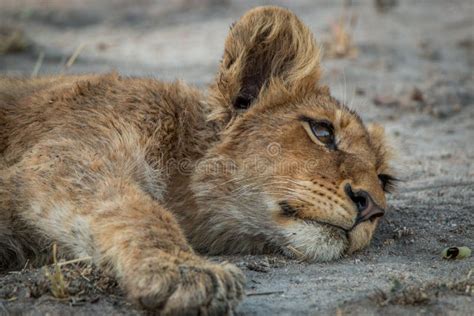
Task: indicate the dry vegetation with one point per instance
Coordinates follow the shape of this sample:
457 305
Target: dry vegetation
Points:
340 43
12 40
402 293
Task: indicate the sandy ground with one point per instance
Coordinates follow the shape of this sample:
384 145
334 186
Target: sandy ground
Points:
413 72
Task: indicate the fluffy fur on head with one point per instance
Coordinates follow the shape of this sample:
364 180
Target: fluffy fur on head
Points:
277 187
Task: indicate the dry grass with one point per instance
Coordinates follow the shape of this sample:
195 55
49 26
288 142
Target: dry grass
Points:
402 294
72 280
38 64
301 257
58 283
58 286
12 40
73 57
340 43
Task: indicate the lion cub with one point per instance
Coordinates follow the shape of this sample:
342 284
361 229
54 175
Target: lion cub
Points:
140 174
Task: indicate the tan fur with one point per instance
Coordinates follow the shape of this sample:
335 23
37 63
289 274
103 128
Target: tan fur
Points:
137 173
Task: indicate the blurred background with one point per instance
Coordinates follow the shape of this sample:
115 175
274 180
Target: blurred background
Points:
389 45
406 64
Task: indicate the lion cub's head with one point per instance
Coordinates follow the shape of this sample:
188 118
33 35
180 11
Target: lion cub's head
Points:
294 170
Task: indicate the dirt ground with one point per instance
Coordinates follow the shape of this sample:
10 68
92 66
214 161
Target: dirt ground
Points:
410 67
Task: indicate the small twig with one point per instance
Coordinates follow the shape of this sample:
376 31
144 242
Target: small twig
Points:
74 56
300 256
26 264
47 298
58 286
38 64
74 261
265 293
55 254
84 277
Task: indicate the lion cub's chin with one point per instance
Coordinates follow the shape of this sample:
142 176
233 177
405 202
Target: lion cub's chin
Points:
319 242
314 242
361 235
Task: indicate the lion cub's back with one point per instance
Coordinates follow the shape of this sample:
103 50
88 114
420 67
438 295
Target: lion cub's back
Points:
31 108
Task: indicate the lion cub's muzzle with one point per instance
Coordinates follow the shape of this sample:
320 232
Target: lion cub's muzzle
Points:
367 209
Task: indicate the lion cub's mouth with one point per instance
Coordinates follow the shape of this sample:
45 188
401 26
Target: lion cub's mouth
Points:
290 211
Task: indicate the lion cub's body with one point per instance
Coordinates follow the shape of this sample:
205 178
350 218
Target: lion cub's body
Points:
82 157
101 133
130 170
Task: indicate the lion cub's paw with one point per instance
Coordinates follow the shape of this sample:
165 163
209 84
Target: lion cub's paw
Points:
190 289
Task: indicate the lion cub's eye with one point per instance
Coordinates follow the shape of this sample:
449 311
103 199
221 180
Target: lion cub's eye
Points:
322 131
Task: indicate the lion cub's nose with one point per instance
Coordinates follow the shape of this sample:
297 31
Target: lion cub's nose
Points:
366 207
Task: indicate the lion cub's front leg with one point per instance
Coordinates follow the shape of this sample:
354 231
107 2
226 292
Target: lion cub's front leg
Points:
155 264
88 201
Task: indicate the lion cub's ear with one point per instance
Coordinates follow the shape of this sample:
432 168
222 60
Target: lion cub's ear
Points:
269 47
